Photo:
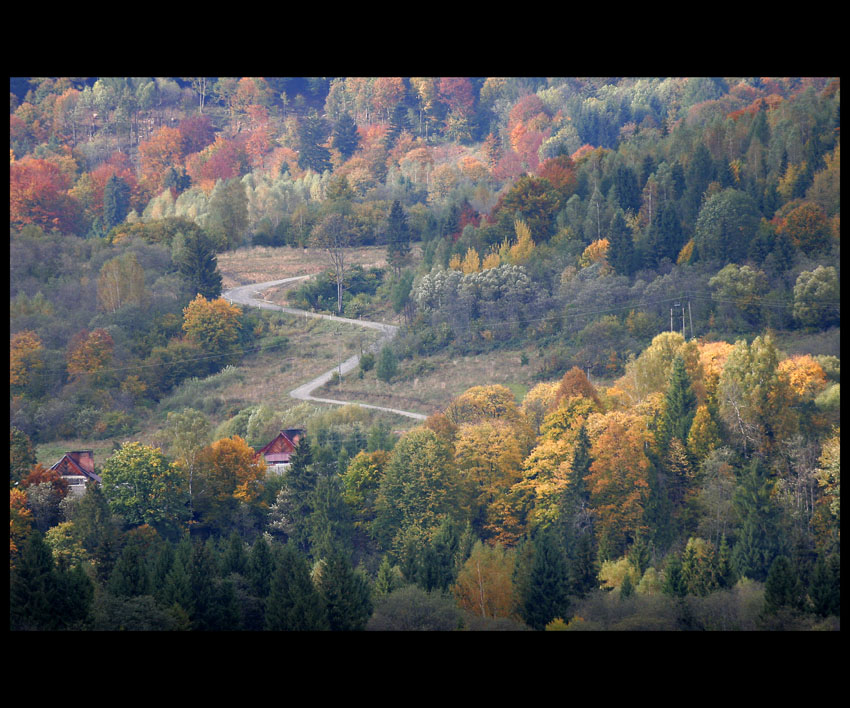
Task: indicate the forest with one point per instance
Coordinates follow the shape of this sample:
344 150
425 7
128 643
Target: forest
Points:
641 277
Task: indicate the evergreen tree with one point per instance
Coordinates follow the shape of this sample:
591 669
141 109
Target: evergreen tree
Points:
195 258
312 134
386 580
293 603
33 590
130 576
825 587
387 364
345 593
546 595
259 568
759 541
331 525
300 483
680 406
345 136
583 567
116 202
398 238
235 559
627 589
628 190
621 245
674 582
783 588
177 588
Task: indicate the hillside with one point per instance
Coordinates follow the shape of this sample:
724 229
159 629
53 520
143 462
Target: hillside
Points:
617 301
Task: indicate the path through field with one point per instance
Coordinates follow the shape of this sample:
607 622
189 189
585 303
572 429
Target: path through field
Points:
251 295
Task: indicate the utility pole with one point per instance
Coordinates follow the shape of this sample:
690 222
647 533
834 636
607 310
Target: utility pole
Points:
690 317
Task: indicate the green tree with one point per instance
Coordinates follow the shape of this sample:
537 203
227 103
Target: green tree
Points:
759 541
130 577
346 594
546 595
825 587
398 238
783 588
726 224
294 604
621 245
33 588
260 567
116 201
299 484
817 297
419 488
345 136
312 135
680 406
194 254
144 488
387 364
227 213
21 455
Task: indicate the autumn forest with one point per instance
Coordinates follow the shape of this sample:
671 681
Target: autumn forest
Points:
615 349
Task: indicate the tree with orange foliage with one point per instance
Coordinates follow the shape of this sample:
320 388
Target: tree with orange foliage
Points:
229 473
20 523
163 150
89 353
26 361
38 194
576 383
618 482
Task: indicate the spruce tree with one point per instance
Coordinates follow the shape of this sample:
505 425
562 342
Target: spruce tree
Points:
547 593
130 577
116 202
259 568
759 541
195 257
346 594
621 245
783 589
293 603
680 406
345 136
398 238
300 483
33 589
825 587
235 559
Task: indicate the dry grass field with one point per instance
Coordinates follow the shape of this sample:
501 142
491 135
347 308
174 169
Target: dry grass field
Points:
261 263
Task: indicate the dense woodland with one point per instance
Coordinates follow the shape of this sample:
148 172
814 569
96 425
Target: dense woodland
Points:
670 248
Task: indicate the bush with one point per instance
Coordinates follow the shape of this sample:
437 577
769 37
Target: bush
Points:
367 361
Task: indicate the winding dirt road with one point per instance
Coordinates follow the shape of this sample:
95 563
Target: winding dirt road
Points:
251 295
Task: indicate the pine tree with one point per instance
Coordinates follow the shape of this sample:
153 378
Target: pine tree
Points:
680 406
345 593
583 567
259 568
386 580
116 202
312 134
293 603
195 258
235 560
345 136
546 595
783 588
33 587
759 541
621 245
627 589
130 576
398 238
674 582
825 587
300 482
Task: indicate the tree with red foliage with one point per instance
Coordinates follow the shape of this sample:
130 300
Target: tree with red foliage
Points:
458 94
38 194
561 172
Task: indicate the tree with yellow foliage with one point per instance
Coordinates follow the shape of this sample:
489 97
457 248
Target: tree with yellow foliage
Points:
26 361
596 252
484 584
618 480
521 251
212 324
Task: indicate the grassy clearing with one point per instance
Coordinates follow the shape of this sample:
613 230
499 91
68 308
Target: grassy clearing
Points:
261 263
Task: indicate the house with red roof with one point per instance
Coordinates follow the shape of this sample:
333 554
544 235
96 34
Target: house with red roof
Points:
77 469
278 451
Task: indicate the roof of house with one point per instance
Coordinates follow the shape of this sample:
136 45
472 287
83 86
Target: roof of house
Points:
78 462
284 443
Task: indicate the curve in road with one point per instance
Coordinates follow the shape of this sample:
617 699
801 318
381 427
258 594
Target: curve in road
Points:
250 295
